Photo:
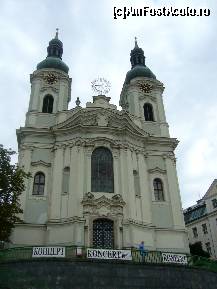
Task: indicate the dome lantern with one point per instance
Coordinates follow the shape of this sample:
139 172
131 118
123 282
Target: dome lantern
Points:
138 67
54 55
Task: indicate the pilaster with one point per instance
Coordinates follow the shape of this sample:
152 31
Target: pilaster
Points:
34 99
73 183
173 187
80 175
25 163
88 168
124 181
62 99
130 183
116 172
56 185
146 200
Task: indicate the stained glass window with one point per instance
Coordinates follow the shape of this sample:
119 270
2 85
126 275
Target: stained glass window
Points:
102 178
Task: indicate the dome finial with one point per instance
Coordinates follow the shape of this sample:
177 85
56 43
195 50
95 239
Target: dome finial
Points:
136 45
137 55
57 33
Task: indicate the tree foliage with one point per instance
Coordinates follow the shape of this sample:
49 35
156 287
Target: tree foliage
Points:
196 249
12 180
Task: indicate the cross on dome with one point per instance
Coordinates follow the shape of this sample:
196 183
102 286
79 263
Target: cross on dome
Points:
136 45
57 33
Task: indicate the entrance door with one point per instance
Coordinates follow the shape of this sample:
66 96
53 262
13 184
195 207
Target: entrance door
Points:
103 233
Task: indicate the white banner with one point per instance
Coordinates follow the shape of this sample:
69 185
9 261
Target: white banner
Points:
109 254
48 252
175 258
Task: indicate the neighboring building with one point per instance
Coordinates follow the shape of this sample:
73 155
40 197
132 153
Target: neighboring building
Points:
100 176
201 221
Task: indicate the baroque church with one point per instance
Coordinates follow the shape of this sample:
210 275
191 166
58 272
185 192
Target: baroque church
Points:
101 177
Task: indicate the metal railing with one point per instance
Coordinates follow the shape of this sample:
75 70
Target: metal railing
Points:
25 253
71 253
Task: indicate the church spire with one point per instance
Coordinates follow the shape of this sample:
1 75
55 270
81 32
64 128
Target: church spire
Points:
54 55
136 45
57 33
55 48
137 55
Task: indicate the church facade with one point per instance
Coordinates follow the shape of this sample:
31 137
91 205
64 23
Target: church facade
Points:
101 177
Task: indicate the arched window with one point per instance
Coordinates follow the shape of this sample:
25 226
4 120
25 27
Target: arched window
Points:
102 179
148 112
39 183
103 233
158 190
48 104
65 185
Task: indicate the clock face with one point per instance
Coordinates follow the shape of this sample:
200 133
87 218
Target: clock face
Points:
101 85
145 87
50 78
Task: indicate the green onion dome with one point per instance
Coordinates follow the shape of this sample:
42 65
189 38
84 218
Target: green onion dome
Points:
54 56
138 67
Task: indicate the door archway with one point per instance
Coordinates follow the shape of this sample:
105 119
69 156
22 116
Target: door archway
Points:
103 233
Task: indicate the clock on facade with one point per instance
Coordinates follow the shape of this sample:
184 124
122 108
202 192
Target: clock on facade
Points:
50 78
145 87
101 85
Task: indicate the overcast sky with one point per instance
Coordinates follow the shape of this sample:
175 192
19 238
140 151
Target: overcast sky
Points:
181 52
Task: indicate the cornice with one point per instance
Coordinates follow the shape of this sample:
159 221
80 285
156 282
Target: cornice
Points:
127 222
99 119
41 163
116 144
75 219
90 200
115 124
173 142
30 225
32 146
46 88
156 84
39 74
29 129
204 217
157 170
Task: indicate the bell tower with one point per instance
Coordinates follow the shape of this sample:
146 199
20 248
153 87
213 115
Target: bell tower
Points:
50 87
101 177
141 96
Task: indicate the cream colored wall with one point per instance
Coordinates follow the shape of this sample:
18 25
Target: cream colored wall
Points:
28 234
61 92
136 99
143 210
159 224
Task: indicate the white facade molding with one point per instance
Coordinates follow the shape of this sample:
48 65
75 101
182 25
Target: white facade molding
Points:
157 170
141 151
40 163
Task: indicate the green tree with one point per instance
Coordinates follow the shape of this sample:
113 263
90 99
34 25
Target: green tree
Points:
12 180
196 249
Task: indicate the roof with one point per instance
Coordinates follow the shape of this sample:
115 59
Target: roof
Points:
53 62
195 212
212 191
